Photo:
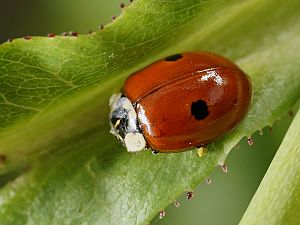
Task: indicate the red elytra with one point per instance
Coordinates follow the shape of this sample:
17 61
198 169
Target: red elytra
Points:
187 100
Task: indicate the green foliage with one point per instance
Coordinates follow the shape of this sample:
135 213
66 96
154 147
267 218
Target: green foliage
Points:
61 164
277 200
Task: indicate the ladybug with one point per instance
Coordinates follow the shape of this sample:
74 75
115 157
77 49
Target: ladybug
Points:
180 102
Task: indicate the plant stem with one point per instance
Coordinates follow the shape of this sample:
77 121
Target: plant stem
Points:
277 200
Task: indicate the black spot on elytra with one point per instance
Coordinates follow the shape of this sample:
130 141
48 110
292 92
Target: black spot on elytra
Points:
199 109
173 57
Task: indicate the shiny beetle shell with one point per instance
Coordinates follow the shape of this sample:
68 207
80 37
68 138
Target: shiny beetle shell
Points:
180 102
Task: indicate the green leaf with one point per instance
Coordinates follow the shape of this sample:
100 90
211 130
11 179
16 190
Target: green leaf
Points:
60 165
277 200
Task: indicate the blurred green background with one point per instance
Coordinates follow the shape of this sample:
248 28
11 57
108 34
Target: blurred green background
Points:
222 202
19 18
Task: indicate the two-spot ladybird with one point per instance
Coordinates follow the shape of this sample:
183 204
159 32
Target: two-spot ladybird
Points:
180 102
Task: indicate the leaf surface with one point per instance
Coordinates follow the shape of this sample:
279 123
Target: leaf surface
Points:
61 165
